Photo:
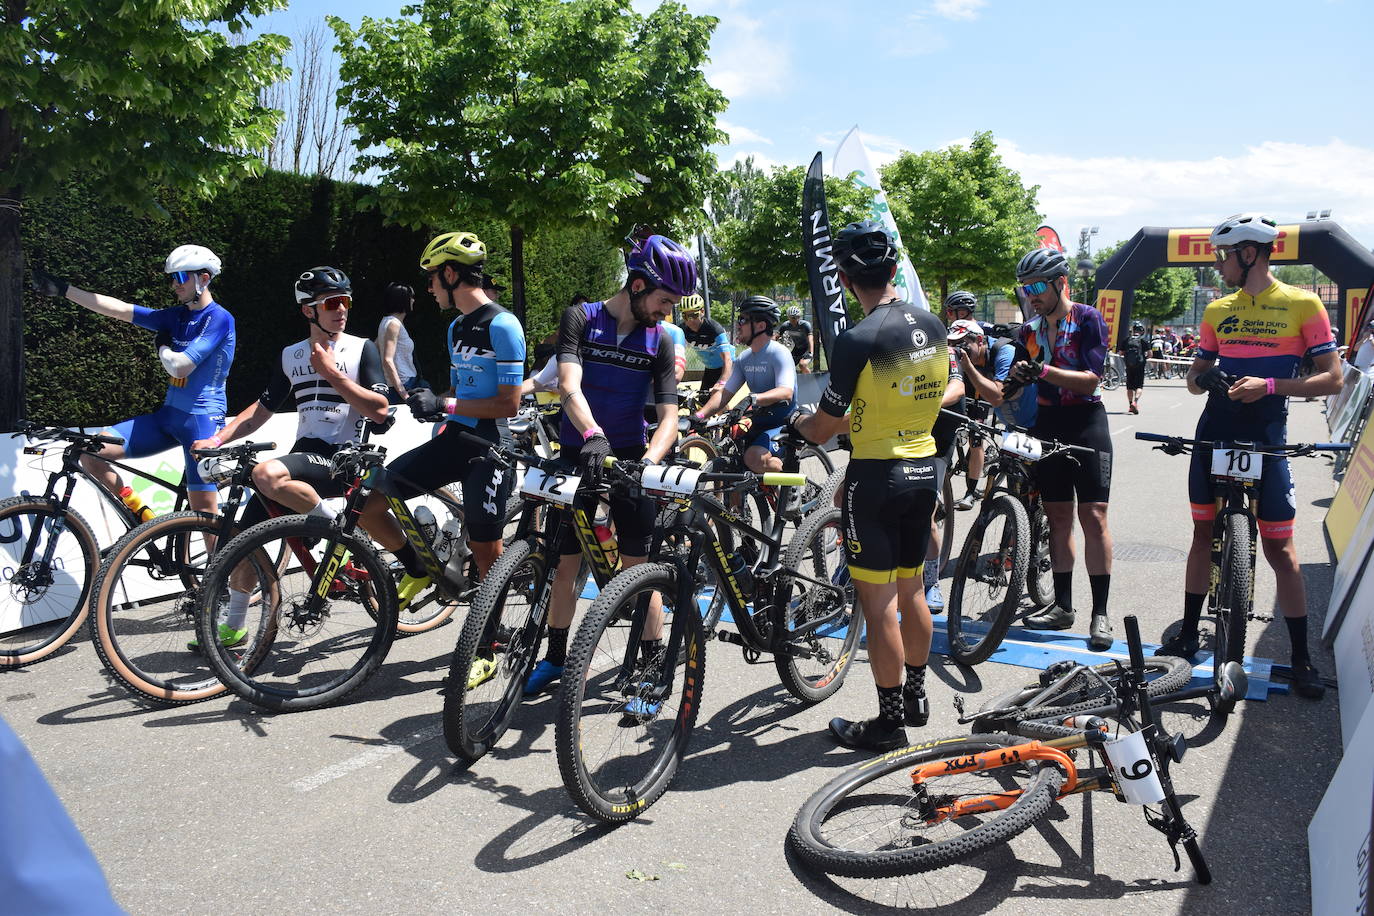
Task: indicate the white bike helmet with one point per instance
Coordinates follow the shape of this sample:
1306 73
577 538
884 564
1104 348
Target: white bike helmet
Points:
193 258
1245 227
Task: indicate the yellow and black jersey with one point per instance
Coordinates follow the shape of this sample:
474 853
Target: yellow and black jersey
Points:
890 371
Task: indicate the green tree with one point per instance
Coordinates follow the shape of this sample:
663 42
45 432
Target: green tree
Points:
136 95
533 113
1299 275
762 247
1164 294
965 218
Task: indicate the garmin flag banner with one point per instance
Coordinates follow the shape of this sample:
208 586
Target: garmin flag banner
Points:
851 162
827 295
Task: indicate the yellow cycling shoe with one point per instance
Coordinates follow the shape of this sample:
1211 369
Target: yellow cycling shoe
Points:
482 670
409 587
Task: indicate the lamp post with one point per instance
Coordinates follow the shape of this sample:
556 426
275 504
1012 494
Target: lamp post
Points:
1086 267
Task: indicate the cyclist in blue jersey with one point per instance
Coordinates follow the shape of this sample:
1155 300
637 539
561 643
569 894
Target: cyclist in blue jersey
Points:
195 343
709 339
610 355
767 368
486 348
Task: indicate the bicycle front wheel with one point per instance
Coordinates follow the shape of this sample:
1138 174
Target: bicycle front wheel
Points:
944 520
812 664
1233 602
48 558
143 610
625 714
870 822
1040 569
988 581
303 648
697 450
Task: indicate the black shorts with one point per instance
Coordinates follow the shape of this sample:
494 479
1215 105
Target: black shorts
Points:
946 428
632 515
1063 477
449 458
308 461
886 512
1135 376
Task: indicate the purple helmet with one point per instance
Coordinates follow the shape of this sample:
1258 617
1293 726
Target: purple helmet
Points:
665 263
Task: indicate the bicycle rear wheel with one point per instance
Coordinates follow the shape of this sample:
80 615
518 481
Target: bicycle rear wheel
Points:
830 628
944 520
816 465
305 650
697 450
621 732
1040 568
988 581
870 822
48 558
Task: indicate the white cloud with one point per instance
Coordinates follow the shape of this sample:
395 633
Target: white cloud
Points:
740 134
957 9
761 160
748 59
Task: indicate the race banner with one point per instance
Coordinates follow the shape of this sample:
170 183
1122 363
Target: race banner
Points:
823 277
1049 238
851 162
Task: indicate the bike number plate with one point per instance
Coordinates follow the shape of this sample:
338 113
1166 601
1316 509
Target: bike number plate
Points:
1237 463
1021 444
1136 774
673 480
556 488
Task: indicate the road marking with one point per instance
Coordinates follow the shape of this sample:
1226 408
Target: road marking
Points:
366 759
1121 430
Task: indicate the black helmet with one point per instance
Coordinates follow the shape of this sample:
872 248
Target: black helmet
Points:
318 282
961 299
1137 326
760 308
864 246
1046 263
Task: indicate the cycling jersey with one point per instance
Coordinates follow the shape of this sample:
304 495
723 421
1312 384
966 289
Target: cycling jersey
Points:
324 420
1263 336
1080 344
616 373
892 367
486 350
795 337
710 341
206 336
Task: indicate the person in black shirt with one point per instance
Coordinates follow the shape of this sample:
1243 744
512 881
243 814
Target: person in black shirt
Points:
796 335
1135 352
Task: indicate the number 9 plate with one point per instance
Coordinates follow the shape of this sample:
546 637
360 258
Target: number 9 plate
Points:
1237 463
557 488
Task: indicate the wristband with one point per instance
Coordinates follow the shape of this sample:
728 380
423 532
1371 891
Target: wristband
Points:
1269 385
1044 370
217 441
450 405
699 416
592 431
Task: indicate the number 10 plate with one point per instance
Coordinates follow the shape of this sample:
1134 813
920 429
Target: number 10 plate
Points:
1237 463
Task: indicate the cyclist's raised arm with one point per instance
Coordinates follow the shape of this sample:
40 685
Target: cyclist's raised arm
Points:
108 306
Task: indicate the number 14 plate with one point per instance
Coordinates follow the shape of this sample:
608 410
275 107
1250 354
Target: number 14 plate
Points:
1237 463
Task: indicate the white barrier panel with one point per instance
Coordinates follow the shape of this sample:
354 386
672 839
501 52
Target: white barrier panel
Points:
1355 564
1354 633
1338 838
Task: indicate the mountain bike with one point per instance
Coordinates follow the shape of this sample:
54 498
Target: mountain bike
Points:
48 552
944 802
629 701
328 622
1006 553
1236 469
1111 375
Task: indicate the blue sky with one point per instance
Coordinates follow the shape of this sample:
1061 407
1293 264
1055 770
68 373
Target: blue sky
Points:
1164 113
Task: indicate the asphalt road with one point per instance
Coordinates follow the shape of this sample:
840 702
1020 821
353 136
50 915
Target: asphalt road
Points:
215 808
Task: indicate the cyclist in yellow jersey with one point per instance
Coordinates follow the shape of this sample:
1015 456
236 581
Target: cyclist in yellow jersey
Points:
890 372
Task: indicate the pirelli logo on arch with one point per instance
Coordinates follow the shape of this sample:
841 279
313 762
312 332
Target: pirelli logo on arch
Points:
1109 304
1190 246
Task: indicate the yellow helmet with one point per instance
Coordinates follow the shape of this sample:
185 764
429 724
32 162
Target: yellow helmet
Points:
463 247
692 303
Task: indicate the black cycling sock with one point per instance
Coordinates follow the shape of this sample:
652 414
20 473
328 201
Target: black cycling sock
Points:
915 685
1101 585
410 560
1063 590
972 484
649 650
890 707
1297 635
1192 612
557 652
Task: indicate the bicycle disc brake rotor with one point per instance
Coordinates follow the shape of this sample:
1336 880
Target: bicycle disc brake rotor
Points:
304 621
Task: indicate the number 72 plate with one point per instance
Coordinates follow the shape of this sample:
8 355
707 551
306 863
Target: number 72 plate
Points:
1237 463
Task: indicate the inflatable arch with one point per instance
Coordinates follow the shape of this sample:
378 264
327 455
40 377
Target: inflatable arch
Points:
1321 243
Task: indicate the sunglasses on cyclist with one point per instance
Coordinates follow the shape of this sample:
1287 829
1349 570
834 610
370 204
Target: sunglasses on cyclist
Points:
962 311
1223 253
1034 289
334 303
181 276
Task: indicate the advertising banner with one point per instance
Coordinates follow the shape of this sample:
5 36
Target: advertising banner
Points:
1192 246
851 162
1109 304
1049 238
1348 504
822 276
1354 629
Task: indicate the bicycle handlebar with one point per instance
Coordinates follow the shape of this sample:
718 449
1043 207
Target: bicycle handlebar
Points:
1054 445
247 449
34 431
1177 445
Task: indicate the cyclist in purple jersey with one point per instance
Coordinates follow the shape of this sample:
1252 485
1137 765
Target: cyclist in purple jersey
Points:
1067 346
610 356
195 343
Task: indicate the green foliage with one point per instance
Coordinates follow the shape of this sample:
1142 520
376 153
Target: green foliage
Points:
87 369
723 310
1299 275
1165 294
965 218
762 246
538 114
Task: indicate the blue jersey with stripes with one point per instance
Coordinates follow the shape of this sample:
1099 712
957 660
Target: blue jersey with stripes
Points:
486 350
617 373
710 341
206 336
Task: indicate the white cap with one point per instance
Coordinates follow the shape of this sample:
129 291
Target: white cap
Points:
964 327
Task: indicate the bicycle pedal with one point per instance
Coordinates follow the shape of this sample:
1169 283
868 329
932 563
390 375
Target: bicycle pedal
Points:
1262 618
